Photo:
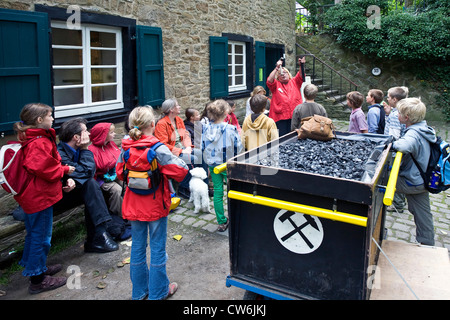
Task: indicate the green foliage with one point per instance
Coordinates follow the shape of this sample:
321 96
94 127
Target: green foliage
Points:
437 76
403 34
418 35
309 24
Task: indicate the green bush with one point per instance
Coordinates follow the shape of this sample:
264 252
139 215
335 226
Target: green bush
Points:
404 35
419 36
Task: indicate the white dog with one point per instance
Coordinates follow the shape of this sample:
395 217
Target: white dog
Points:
199 190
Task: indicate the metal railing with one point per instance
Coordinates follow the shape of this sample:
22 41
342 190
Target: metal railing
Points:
333 83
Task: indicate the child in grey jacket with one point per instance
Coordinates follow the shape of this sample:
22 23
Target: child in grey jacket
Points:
415 142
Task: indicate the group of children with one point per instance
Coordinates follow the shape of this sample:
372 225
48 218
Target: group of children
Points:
221 138
382 117
403 119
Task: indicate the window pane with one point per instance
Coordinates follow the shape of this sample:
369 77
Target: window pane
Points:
239 70
239 80
103 39
68 57
66 37
230 48
238 49
103 57
103 75
64 77
239 59
230 81
68 96
104 93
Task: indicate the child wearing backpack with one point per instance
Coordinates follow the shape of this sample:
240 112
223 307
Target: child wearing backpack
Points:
148 212
220 142
415 143
43 163
376 117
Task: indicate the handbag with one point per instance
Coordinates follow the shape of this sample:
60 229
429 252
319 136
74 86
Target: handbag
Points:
317 128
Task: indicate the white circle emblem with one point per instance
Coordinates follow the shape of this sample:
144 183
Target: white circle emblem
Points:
298 232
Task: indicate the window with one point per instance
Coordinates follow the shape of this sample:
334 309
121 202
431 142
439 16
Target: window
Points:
87 69
231 66
236 66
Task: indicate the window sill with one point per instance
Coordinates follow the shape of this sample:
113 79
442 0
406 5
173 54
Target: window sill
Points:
239 94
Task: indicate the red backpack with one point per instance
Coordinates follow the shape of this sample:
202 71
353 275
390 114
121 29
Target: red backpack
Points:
13 176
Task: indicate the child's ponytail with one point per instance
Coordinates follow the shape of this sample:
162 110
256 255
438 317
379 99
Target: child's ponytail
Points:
29 117
139 119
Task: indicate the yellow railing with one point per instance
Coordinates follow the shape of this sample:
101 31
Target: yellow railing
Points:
220 168
392 182
314 211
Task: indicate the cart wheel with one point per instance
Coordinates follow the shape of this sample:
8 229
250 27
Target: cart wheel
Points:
250 295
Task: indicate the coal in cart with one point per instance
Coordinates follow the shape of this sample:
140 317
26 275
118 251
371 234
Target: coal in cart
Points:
300 235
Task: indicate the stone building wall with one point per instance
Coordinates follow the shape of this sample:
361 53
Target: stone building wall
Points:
186 28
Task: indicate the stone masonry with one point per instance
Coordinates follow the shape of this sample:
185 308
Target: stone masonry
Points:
186 28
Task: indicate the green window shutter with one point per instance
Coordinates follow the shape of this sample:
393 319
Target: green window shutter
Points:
150 67
24 63
260 64
218 61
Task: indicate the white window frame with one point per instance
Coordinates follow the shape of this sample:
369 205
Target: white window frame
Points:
232 75
88 106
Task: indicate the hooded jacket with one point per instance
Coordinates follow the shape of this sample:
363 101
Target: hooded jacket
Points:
416 142
157 205
220 142
105 155
262 130
43 162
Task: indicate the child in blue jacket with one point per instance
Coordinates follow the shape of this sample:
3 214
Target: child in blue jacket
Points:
220 142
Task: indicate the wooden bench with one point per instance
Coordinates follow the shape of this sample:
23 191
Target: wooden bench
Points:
12 232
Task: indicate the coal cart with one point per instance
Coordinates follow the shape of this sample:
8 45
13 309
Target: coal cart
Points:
301 235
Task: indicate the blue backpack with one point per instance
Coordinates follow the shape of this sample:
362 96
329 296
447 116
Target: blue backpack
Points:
437 175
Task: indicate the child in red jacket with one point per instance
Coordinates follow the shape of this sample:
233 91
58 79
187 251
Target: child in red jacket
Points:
106 153
148 213
43 162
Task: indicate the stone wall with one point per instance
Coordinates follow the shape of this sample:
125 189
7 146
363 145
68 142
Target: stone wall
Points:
358 68
186 28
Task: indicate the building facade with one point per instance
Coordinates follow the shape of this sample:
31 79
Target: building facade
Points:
100 58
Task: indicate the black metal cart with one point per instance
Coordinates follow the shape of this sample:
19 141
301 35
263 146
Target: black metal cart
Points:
298 235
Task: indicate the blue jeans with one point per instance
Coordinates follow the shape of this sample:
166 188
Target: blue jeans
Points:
37 242
151 280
